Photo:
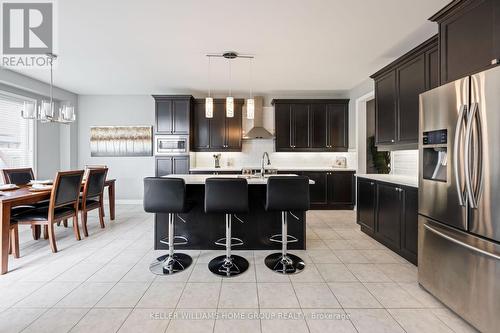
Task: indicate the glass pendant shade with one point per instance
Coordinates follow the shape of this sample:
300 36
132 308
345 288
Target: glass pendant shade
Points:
46 111
29 110
250 108
209 107
229 107
67 113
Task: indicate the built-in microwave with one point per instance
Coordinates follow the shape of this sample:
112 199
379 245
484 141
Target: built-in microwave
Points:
171 144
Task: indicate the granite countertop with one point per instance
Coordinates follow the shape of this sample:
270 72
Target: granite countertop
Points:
395 179
200 179
280 168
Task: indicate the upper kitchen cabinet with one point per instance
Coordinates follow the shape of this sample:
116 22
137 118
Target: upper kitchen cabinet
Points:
311 125
172 113
219 133
469 37
397 90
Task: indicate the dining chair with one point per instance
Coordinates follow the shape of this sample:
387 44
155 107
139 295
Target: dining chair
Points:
18 176
63 204
92 197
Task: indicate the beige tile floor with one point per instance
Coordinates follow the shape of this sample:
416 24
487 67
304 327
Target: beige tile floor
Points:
102 284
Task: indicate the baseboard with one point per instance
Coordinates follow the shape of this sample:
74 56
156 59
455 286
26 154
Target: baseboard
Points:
128 201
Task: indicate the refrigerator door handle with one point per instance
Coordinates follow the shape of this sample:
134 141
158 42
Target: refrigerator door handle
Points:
456 241
456 145
467 162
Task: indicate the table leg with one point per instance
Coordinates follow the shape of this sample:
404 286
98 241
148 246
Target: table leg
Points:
111 195
4 236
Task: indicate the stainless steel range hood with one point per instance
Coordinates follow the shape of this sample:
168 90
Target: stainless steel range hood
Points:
254 128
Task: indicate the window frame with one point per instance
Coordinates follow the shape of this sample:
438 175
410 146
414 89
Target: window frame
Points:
33 140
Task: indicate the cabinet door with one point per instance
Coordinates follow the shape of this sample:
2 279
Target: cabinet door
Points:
409 224
164 116
467 40
233 129
366 203
180 164
164 166
283 127
411 83
218 127
201 128
341 188
389 214
301 125
385 109
432 68
319 127
181 109
318 190
338 127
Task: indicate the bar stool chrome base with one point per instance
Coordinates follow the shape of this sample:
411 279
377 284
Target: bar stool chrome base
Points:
166 265
288 264
228 268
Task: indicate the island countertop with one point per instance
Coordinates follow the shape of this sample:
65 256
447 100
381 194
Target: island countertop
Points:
200 179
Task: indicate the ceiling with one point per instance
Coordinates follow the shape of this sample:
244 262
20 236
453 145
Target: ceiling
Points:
159 46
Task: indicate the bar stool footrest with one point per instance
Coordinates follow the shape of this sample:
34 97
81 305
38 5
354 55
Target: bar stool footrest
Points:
222 241
278 239
178 240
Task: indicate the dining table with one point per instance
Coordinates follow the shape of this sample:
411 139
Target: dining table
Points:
24 196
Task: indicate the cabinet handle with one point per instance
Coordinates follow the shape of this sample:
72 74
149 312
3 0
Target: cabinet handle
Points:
495 61
392 140
372 183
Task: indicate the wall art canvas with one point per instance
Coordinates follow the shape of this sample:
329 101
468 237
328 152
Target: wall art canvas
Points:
121 141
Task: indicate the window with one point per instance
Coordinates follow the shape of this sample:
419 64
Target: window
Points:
16 134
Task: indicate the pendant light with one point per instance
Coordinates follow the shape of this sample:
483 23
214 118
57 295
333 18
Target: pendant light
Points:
251 101
229 99
209 101
46 110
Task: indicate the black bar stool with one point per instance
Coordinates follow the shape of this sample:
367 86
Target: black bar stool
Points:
168 196
284 194
228 196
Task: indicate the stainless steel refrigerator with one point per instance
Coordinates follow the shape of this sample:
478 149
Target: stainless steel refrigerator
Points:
459 197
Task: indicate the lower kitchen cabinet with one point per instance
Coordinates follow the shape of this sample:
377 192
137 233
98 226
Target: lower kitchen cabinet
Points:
332 189
388 213
172 164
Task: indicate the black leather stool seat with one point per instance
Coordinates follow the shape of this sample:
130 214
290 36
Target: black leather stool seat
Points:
285 193
165 195
226 195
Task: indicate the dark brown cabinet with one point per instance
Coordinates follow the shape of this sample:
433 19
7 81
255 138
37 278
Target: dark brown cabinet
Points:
331 190
397 90
172 164
218 133
172 113
366 203
311 125
389 213
469 37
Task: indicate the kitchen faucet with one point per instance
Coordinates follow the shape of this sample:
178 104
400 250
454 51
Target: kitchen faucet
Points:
262 168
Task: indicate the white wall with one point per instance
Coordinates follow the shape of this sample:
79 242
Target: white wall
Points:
56 143
117 110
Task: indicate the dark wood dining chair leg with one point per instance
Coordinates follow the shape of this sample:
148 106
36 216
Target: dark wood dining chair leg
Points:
35 231
45 232
76 227
10 244
111 195
65 223
84 223
52 237
101 214
14 241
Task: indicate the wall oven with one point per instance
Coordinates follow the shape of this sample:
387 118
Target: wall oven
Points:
171 145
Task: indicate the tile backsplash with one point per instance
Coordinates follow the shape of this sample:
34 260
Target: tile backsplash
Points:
251 154
404 162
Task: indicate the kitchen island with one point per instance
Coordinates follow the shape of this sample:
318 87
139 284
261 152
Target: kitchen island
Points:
202 229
